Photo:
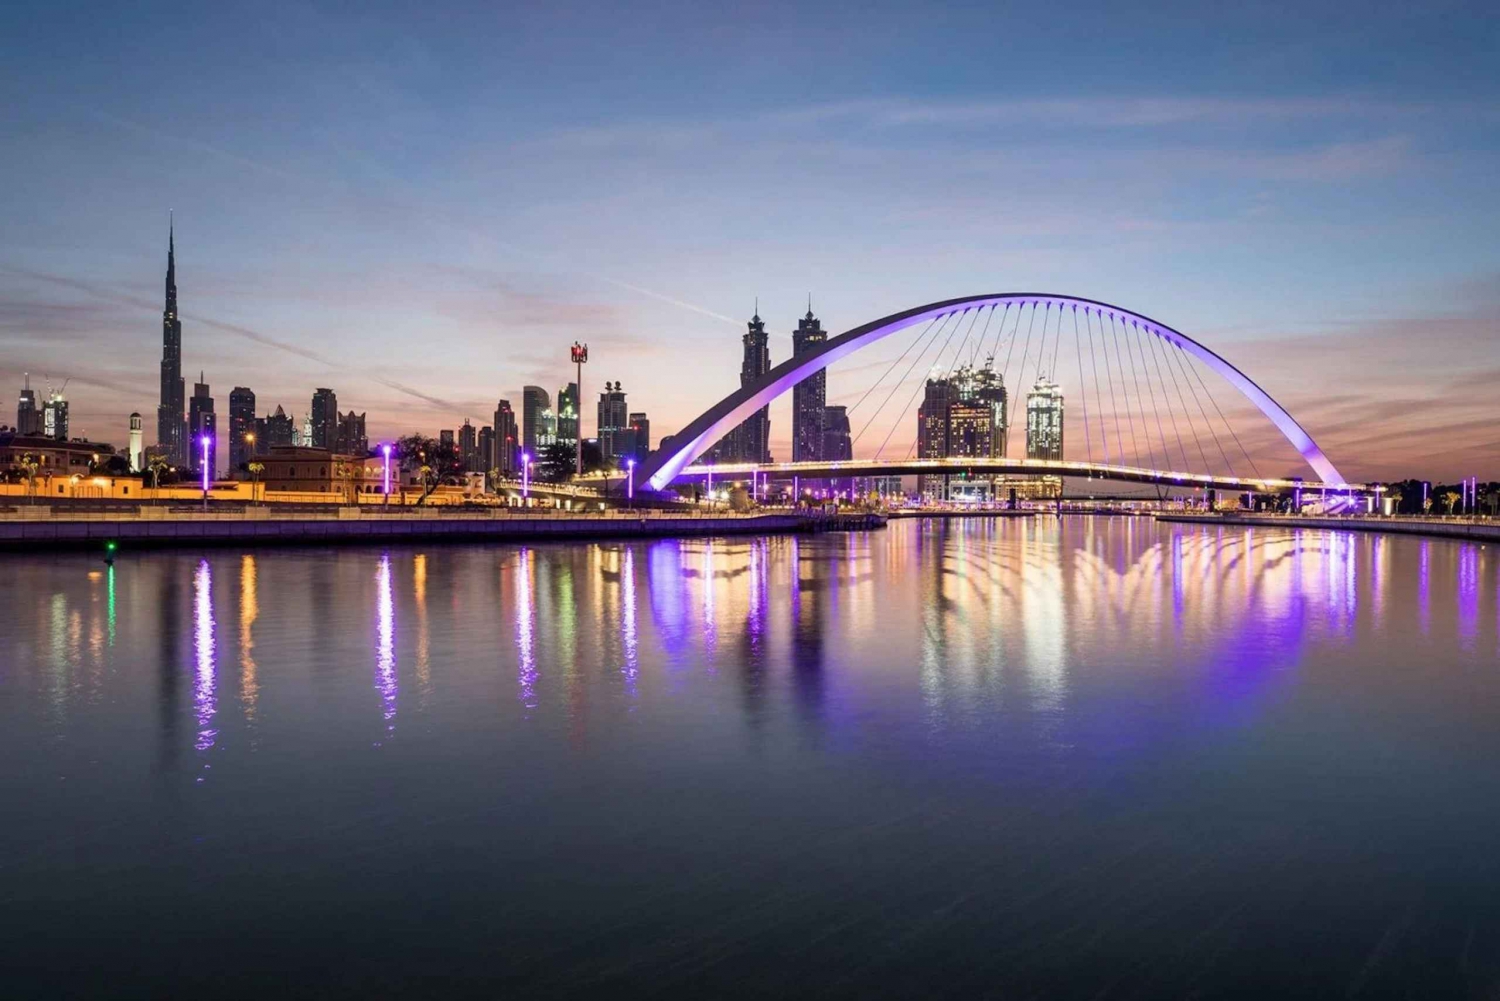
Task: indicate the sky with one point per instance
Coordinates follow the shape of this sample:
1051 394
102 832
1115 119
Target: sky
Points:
423 205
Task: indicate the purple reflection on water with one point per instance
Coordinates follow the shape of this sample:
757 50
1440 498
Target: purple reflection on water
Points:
631 670
1468 594
667 592
525 629
710 627
385 643
1424 587
755 623
205 680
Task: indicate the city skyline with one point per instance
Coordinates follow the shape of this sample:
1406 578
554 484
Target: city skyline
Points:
1335 213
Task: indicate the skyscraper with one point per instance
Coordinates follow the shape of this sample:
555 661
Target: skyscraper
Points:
506 438
640 431
811 394
201 425
274 430
28 415
325 419
485 461
837 446
1044 420
137 454
171 431
241 427
55 416
614 423
468 447
568 417
751 440
350 438
932 433
537 430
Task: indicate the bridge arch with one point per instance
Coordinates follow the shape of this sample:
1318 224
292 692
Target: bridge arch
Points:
663 465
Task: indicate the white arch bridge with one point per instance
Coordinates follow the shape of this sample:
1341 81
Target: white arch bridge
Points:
1156 389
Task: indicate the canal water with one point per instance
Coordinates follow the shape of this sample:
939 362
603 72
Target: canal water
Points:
1083 757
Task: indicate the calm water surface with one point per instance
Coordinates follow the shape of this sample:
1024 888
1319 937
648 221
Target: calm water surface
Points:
1063 759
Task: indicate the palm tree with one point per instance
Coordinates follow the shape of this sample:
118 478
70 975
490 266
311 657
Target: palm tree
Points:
255 468
28 467
156 467
1450 497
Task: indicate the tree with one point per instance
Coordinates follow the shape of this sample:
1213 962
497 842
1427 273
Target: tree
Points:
26 467
156 466
434 462
255 469
557 463
1451 497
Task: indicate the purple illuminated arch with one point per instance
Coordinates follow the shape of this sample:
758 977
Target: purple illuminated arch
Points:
663 466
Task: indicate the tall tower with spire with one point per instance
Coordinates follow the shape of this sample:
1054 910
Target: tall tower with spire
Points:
752 439
811 394
171 428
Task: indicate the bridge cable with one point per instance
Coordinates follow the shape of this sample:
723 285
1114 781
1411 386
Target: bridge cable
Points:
907 375
1058 343
1140 398
1166 453
1227 425
892 365
959 353
1151 340
1228 466
1114 406
1078 350
1098 394
1186 413
937 362
1022 374
1135 447
984 333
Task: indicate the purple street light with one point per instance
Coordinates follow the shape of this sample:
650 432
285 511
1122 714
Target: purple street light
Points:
525 475
385 450
630 480
204 441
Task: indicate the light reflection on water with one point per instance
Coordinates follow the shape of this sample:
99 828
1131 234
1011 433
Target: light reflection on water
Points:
828 737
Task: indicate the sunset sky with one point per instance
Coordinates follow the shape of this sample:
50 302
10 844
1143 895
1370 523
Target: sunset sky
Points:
423 210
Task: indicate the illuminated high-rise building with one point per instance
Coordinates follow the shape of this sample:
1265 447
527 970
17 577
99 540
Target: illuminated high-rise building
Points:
241 428
751 440
567 420
28 414
811 394
171 429
55 416
640 436
468 447
538 429
1044 421
201 425
507 441
614 425
837 446
485 459
325 419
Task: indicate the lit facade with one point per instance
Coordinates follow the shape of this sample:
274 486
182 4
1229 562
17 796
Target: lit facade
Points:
810 396
171 428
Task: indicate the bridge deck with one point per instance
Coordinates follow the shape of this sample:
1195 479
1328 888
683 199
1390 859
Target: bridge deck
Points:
1009 467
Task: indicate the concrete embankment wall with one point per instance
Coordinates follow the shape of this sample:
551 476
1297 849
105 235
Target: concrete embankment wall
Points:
1482 531
39 535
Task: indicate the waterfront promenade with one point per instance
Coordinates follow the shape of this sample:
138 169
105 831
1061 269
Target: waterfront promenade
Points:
30 529
1478 529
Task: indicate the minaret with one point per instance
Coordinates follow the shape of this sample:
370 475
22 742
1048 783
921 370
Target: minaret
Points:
171 430
137 453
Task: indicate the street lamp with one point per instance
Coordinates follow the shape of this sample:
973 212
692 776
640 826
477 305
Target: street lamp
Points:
630 481
205 441
525 477
385 450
